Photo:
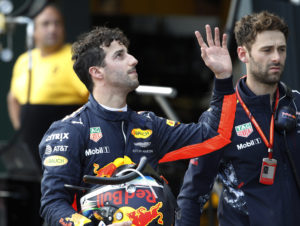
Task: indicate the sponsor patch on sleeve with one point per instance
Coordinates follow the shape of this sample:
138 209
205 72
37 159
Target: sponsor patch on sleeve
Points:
55 160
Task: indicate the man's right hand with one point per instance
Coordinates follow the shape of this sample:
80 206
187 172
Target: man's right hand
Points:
215 55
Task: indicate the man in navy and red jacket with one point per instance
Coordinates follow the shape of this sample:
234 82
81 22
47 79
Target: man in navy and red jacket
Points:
105 133
258 170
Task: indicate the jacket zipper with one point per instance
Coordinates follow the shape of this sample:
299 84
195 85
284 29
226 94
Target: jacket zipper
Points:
123 132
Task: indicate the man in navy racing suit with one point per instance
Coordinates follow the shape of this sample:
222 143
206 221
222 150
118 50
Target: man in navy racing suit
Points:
105 133
260 181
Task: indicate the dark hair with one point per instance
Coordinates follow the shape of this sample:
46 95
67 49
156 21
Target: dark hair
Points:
38 9
247 28
87 51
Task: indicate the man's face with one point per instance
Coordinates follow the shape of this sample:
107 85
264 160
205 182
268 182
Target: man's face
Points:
49 29
119 69
267 57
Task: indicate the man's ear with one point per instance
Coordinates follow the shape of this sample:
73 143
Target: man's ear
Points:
96 72
242 54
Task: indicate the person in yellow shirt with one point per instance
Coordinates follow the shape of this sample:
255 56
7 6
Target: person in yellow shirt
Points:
51 89
46 93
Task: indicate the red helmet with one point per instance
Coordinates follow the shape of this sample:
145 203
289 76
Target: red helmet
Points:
142 199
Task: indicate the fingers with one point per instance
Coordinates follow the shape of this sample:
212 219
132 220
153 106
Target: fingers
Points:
202 44
224 41
217 36
209 37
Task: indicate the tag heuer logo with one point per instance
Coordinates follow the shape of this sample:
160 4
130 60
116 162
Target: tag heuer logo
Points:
95 134
244 130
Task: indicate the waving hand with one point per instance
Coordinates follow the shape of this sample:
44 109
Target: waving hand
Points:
215 54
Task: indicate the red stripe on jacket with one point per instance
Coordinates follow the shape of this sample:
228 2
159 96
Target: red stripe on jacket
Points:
214 143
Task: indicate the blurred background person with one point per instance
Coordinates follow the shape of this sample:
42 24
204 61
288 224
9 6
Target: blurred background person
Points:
45 93
48 91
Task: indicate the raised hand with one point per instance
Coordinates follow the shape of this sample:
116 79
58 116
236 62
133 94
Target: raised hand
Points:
215 55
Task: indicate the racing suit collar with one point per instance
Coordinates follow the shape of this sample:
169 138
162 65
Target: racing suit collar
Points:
129 115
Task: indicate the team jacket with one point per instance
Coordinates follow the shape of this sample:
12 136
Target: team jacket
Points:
245 201
92 138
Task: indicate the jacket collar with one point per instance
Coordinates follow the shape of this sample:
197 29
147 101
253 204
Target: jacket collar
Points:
253 100
129 115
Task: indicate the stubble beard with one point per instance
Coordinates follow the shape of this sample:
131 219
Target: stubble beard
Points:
128 83
134 84
262 75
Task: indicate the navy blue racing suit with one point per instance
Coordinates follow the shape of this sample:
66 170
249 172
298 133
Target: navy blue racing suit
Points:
91 138
244 201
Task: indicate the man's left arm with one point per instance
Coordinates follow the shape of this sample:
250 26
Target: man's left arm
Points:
213 131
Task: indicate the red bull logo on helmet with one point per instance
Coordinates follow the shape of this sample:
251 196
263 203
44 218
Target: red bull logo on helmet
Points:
120 197
109 169
143 217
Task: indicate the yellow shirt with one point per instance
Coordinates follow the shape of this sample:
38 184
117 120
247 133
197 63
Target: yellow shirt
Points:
53 79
